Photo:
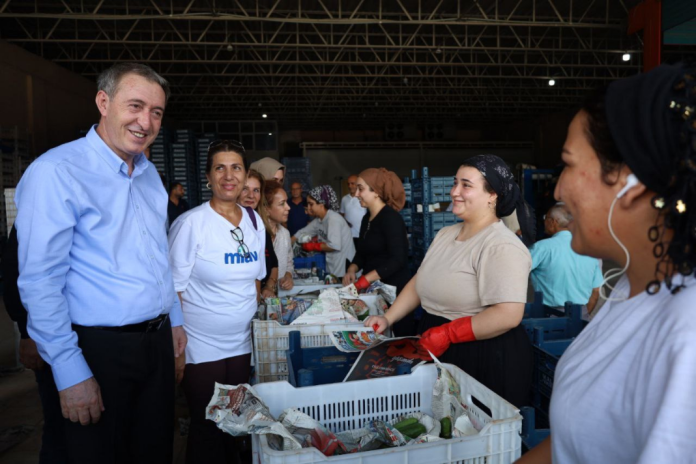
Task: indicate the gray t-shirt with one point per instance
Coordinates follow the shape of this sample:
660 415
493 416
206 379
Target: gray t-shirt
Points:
334 231
461 278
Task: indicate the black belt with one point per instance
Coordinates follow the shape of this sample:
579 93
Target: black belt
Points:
153 325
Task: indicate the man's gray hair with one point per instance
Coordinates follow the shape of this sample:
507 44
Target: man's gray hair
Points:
109 80
560 214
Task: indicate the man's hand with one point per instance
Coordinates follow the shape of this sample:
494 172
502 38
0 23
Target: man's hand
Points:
82 402
179 339
29 355
179 366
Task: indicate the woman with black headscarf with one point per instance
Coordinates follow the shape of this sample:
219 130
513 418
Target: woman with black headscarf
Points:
473 283
625 389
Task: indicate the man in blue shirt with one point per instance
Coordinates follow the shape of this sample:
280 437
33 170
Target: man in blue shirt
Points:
95 277
297 217
560 273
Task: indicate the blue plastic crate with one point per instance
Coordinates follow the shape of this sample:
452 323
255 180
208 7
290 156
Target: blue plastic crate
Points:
316 366
531 436
546 359
319 260
567 325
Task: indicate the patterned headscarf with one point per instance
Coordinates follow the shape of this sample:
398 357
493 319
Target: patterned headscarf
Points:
501 180
325 195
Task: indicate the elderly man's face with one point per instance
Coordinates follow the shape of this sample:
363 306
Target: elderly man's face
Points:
133 117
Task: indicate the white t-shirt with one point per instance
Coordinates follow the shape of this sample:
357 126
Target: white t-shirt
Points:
218 284
334 231
353 212
625 390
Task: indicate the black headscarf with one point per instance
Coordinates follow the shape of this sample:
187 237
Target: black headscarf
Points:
501 180
652 119
642 120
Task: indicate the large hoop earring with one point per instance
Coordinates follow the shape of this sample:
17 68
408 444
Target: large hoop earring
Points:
207 185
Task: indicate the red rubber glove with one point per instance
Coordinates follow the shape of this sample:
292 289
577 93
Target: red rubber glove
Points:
438 339
362 283
312 246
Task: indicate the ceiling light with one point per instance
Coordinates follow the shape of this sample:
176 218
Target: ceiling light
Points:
260 104
626 57
230 48
270 133
438 50
264 115
552 82
405 80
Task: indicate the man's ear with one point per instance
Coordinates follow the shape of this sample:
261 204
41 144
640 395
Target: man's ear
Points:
102 101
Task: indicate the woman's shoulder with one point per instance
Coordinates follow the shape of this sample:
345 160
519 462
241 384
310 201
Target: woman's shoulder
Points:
195 215
282 232
499 235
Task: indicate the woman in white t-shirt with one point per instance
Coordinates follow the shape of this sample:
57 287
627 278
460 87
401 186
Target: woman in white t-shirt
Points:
277 210
335 237
625 389
217 255
472 284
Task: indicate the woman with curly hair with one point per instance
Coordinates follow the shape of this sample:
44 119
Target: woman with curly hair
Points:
625 390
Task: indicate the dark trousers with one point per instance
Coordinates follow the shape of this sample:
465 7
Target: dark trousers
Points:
207 443
135 372
53 448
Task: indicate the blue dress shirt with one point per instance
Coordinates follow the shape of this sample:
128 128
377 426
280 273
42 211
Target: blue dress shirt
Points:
92 249
562 274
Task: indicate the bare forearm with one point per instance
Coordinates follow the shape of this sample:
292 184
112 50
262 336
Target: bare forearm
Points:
540 454
372 276
406 302
594 297
496 320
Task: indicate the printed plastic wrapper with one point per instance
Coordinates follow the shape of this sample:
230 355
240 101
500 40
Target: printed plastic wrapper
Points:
388 292
238 410
447 403
326 309
387 433
446 395
285 310
360 440
310 433
463 427
279 437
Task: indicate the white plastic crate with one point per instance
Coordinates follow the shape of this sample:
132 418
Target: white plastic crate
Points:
270 341
345 406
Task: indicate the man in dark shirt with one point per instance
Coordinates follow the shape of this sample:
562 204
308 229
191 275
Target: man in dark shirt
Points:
177 205
298 217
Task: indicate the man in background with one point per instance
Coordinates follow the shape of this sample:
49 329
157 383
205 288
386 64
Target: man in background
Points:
351 208
297 217
177 205
560 273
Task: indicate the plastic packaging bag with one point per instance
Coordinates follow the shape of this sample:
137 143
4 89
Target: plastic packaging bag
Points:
238 410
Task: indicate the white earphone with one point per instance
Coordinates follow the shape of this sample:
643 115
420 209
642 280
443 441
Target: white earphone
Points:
631 181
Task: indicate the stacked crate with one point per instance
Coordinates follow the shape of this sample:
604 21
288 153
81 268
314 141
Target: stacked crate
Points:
15 156
184 165
159 153
204 142
297 170
428 194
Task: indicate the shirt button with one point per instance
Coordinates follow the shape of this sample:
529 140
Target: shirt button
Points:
144 233
137 207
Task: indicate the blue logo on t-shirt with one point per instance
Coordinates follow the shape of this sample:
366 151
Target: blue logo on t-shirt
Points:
236 258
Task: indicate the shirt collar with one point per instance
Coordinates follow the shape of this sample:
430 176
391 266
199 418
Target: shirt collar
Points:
114 161
564 232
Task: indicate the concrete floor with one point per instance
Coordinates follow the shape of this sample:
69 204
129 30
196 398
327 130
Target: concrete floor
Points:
20 407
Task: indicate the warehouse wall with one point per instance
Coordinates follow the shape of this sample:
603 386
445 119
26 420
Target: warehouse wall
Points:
51 102
333 166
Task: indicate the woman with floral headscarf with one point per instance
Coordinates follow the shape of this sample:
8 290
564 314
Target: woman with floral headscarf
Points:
335 238
472 284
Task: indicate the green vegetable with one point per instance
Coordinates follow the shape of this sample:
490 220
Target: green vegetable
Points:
446 427
410 428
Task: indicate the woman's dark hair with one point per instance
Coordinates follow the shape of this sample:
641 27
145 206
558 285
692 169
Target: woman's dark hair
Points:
224 146
599 135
